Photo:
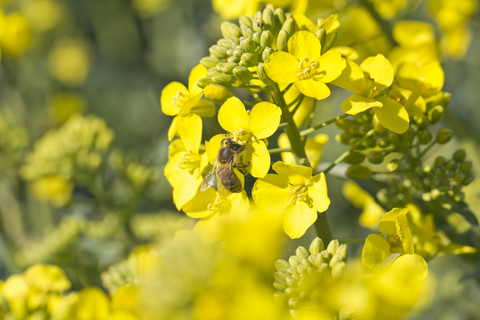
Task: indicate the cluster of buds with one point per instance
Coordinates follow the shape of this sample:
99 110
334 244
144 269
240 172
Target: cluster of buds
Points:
247 45
303 277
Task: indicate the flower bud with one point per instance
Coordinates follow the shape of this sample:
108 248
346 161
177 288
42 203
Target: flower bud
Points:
382 142
301 253
439 162
249 60
203 82
332 247
465 166
358 172
223 79
289 27
436 114
282 41
230 30
217 51
258 25
217 93
375 157
209 62
256 37
459 155
238 53
424 137
227 67
316 246
280 15
262 75
266 53
321 36
329 41
266 39
248 45
245 23
443 135
243 74
268 18
354 157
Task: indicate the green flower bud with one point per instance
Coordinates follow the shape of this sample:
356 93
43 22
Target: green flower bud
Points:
459 155
217 51
375 157
262 75
329 41
468 179
223 79
268 18
439 162
209 62
258 25
301 253
345 124
230 30
354 157
249 60
281 265
238 53
225 43
248 45
245 23
217 93
465 166
369 143
256 37
280 15
243 74
443 135
289 27
393 165
321 35
213 70
358 172
266 39
382 142
233 59
436 114
203 82
267 52
228 67
316 246
424 137
282 40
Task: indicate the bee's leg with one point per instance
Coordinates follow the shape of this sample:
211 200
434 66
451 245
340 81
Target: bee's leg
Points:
242 168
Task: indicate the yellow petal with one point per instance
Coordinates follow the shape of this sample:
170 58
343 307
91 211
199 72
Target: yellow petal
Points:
232 115
375 250
410 266
379 69
213 146
198 72
282 67
304 44
330 23
204 108
283 142
319 194
412 34
197 207
170 98
271 193
313 88
257 158
392 115
298 218
294 174
264 119
185 189
395 221
314 148
356 104
189 129
351 78
331 66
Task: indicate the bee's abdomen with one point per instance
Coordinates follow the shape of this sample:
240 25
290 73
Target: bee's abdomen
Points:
231 183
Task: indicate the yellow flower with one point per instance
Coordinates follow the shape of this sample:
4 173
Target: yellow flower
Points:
248 129
15 34
396 239
54 189
295 192
69 62
232 9
184 169
304 65
372 212
313 148
186 104
368 82
427 78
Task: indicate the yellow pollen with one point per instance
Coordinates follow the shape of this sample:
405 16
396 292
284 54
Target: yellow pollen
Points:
190 161
308 69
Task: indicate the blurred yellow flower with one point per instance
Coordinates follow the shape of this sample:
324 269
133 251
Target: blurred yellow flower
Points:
359 198
53 189
69 62
15 34
232 9
65 105
43 14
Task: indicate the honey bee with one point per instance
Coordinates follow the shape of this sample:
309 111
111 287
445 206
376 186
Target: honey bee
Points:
222 173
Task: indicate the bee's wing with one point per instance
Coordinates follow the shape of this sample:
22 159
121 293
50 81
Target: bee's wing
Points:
210 179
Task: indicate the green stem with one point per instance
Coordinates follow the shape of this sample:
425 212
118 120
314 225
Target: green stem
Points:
351 240
296 100
347 153
323 228
424 151
323 124
291 128
279 150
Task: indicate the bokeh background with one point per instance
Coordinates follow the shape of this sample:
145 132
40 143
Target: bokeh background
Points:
111 59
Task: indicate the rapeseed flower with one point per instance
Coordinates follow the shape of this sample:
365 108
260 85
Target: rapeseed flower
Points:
248 129
305 66
294 191
368 82
187 105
